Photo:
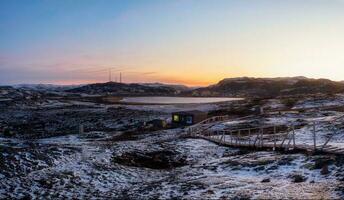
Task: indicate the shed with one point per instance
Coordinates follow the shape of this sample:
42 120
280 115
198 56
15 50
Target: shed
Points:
157 123
188 117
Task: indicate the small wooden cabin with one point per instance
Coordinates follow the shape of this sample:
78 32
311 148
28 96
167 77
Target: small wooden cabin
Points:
157 123
188 117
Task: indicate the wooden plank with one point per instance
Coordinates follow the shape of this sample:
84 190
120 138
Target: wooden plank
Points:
262 139
331 148
328 140
256 140
340 151
286 137
239 133
294 143
314 136
275 138
201 130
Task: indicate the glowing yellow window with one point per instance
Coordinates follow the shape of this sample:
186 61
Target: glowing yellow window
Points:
176 118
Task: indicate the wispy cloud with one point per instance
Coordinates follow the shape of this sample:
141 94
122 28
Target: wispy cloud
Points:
149 73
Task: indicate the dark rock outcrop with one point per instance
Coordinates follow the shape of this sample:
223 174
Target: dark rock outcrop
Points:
297 178
154 160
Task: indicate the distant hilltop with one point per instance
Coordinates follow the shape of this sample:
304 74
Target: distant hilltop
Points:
265 87
132 89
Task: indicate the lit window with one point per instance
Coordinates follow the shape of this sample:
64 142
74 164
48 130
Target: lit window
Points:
176 118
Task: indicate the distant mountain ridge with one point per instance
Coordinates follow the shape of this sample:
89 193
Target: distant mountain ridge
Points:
229 87
132 89
265 87
46 87
177 87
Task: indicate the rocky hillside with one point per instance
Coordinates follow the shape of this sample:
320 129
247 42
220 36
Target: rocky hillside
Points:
122 89
177 87
10 93
46 87
242 87
267 87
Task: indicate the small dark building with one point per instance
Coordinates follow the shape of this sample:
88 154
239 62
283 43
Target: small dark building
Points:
157 123
188 117
258 110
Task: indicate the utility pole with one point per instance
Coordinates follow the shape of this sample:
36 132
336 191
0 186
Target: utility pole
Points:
120 77
110 75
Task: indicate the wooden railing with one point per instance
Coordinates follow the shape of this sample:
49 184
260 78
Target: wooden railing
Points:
274 136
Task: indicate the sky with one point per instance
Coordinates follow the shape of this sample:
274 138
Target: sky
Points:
192 42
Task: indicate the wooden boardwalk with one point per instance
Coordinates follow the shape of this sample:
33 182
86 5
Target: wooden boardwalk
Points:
279 138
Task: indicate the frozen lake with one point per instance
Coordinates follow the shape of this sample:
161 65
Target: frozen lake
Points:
176 100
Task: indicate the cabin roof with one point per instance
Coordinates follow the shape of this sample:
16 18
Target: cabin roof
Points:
190 112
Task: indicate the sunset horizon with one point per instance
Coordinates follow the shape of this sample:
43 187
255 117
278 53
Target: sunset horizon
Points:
185 83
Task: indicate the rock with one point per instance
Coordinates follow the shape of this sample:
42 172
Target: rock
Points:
320 162
164 159
259 168
266 180
298 178
210 192
324 170
285 161
309 166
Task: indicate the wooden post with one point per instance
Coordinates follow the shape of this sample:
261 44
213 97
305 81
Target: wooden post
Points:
261 137
256 140
239 135
294 137
314 137
236 139
223 137
81 129
274 138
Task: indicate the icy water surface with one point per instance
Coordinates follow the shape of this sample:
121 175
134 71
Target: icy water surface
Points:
176 100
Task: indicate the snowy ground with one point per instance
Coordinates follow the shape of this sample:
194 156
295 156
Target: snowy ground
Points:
336 100
82 166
